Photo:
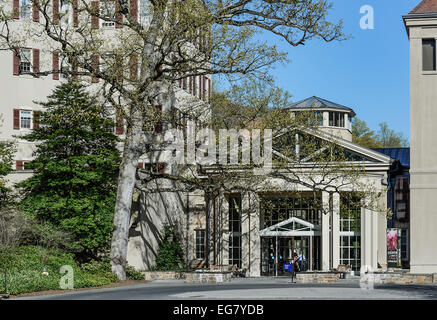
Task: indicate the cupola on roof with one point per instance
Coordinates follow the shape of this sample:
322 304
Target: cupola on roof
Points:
319 103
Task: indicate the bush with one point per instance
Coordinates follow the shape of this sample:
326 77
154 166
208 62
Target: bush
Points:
133 274
24 266
170 254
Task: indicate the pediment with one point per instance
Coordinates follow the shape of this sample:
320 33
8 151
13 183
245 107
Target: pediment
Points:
310 145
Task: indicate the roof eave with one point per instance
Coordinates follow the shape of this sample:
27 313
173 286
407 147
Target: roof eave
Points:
417 16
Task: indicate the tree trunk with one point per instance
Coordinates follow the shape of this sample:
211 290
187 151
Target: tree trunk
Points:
126 184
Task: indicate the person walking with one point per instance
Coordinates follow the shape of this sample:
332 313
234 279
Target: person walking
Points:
295 265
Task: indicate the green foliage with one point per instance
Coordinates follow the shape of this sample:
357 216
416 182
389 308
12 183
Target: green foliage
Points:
7 150
133 274
384 138
24 266
17 228
170 254
389 138
76 165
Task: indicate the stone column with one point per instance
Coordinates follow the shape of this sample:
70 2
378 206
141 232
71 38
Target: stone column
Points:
255 239
369 239
325 232
245 231
224 208
336 231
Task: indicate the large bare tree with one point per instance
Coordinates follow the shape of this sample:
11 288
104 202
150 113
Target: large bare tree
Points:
155 44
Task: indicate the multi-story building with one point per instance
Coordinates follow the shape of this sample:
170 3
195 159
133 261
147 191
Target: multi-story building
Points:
237 235
21 90
259 230
421 25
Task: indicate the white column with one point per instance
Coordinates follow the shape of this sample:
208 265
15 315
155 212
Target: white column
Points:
255 239
245 229
223 230
336 231
369 239
325 231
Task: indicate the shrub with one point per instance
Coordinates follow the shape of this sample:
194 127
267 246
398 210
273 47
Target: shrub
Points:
133 274
170 254
24 266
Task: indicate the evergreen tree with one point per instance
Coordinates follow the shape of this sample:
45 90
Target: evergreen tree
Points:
75 168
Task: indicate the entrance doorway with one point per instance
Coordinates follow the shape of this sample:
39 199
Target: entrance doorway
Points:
280 241
277 251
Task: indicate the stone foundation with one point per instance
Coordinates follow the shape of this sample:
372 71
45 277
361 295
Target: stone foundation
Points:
163 275
207 277
401 278
318 277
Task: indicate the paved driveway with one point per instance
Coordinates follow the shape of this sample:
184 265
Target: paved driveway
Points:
255 288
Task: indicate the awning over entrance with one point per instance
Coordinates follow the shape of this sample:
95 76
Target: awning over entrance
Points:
292 227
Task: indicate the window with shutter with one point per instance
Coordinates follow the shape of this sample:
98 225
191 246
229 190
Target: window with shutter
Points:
161 167
35 11
158 125
118 15
134 9
16 119
55 65
133 63
16 9
75 13
119 128
95 10
19 165
16 61
36 115
55 8
35 60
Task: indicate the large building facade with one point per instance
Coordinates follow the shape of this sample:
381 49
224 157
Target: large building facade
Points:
421 25
21 90
259 231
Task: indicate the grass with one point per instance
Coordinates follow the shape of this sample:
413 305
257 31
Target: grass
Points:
24 266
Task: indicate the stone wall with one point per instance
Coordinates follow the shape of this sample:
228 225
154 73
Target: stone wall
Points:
163 275
401 278
207 277
318 277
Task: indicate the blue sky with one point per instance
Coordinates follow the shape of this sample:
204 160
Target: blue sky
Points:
369 73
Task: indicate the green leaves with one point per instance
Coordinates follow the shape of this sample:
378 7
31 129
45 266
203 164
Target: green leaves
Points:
170 254
76 166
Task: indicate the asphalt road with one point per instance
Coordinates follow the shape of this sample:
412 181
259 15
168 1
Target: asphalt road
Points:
254 288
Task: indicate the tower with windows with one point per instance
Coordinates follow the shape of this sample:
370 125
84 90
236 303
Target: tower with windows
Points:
421 25
332 117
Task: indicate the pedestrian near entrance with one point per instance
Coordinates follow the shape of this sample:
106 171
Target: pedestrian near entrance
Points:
295 264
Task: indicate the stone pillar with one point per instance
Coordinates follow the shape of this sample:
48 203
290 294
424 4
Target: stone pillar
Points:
336 231
225 229
245 231
369 239
325 232
255 239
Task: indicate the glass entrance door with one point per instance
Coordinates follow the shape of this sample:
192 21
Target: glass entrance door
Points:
276 251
